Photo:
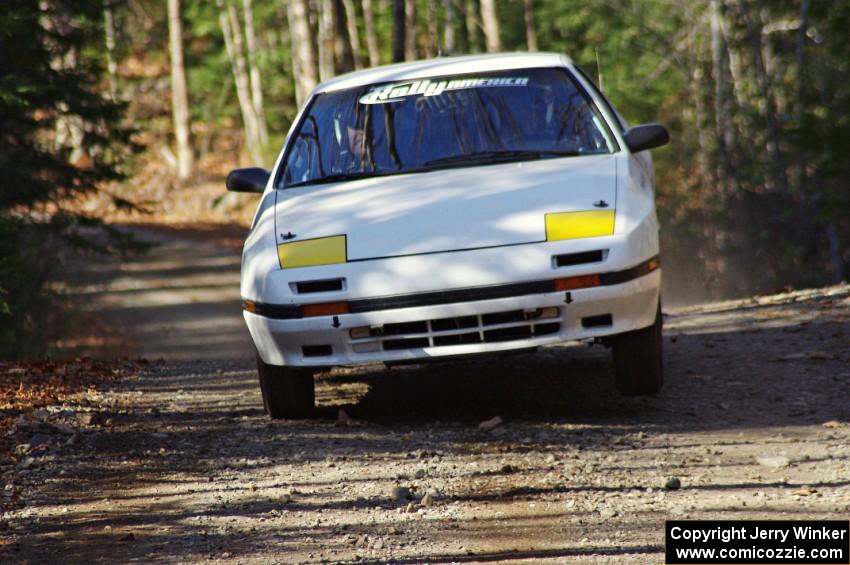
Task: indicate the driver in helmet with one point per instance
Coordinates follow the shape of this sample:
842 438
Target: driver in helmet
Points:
351 139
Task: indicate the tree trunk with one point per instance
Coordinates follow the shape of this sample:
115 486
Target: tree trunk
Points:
474 25
775 75
836 261
774 149
371 37
256 82
229 22
343 55
735 68
286 39
303 57
410 30
808 208
399 29
801 95
353 35
326 40
491 26
432 44
530 27
706 172
179 93
717 48
714 233
109 32
463 31
449 29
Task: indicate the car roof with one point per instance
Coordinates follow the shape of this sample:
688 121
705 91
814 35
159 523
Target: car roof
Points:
443 66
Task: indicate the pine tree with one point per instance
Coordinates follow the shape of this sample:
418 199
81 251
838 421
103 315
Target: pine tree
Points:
49 82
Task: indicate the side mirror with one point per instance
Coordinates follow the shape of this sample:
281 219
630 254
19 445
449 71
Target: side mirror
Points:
646 136
253 179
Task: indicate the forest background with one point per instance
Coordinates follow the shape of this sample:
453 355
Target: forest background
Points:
134 110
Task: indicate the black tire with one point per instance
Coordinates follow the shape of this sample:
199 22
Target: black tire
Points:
287 392
638 367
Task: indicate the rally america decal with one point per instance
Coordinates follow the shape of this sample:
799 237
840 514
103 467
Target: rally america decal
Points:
396 91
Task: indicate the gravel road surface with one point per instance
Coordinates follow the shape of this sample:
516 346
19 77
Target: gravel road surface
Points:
178 464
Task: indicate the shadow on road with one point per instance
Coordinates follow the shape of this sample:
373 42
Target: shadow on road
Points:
194 470
178 300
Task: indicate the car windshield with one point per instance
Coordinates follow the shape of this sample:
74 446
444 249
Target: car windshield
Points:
442 122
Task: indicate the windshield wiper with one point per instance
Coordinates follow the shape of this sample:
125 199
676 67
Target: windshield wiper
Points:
339 177
479 158
483 157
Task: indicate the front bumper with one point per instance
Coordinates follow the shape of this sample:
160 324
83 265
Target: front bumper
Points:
441 330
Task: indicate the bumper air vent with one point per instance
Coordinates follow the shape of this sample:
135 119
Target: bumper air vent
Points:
316 350
327 285
570 259
604 320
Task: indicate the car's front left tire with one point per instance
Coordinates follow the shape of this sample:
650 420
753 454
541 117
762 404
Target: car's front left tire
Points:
638 361
287 392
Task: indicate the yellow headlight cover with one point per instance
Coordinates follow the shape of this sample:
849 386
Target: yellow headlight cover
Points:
312 252
575 225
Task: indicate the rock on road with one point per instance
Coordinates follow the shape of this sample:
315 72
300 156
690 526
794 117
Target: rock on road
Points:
181 465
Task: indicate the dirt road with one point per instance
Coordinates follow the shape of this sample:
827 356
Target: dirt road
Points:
180 300
179 465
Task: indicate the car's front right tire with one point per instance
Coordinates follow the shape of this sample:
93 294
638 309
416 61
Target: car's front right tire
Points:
638 363
287 392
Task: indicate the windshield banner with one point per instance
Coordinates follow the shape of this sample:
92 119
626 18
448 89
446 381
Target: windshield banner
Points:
396 91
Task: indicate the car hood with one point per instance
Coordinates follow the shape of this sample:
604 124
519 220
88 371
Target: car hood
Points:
446 210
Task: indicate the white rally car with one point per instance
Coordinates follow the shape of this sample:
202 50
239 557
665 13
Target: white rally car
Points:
451 207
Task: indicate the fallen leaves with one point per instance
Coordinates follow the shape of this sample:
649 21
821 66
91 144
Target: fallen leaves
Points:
27 387
35 384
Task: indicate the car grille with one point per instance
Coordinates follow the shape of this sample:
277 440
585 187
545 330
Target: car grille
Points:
482 328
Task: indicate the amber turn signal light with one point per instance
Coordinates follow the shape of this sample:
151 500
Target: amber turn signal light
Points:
324 309
573 283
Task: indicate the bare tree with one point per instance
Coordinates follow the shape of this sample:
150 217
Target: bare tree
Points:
491 26
371 37
343 54
254 73
800 110
109 35
432 43
530 27
474 25
303 40
463 30
718 51
326 40
229 22
353 35
755 27
410 30
179 93
449 29
399 30
835 253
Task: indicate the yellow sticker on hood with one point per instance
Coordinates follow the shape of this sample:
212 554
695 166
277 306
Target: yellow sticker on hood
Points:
575 225
312 252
